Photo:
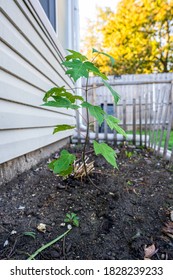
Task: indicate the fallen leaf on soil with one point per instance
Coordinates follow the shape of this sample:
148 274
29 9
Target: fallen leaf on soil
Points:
41 227
149 251
168 229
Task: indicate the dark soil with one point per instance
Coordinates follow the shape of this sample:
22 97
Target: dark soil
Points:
118 223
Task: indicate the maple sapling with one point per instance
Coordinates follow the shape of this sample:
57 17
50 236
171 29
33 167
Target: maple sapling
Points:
79 66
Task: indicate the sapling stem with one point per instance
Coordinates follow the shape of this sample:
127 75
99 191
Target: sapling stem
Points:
87 131
48 244
86 137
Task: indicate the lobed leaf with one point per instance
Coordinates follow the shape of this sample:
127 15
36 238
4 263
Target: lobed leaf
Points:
113 124
91 67
78 97
120 130
77 69
106 151
75 55
95 111
74 107
55 91
61 92
62 127
114 93
76 222
64 164
110 57
61 102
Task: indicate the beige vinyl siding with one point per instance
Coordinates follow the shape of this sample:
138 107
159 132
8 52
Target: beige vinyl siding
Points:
31 57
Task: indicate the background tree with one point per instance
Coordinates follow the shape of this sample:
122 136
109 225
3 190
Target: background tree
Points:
139 36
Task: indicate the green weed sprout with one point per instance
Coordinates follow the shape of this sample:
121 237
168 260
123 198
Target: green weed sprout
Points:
73 219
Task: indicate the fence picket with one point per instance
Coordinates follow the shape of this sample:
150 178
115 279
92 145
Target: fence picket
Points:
155 118
124 116
146 117
143 107
160 114
134 121
163 127
140 120
170 121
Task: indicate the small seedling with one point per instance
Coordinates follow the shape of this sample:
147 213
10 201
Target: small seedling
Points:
129 183
72 219
129 154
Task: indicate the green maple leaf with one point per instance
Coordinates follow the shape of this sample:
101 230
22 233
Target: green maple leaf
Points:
95 111
64 164
62 127
110 57
77 69
61 92
53 92
106 151
113 124
75 55
91 67
61 102
114 93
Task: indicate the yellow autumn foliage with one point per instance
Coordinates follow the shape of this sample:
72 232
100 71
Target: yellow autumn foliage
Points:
139 35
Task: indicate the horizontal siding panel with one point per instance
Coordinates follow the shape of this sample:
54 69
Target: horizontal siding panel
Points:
15 115
15 143
14 89
13 63
20 45
31 59
34 34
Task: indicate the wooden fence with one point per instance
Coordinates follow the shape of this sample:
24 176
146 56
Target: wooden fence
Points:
145 111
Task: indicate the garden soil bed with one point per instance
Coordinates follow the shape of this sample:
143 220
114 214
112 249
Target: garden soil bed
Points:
128 216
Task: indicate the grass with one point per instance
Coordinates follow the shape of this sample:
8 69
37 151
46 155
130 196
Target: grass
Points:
157 134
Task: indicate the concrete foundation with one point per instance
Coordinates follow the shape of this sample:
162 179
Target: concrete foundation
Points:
14 167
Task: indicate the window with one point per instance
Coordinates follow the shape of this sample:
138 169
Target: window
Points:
49 8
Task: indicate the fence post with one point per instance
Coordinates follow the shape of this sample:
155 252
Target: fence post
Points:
146 117
124 116
134 121
163 126
159 120
151 118
170 120
140 120
155 120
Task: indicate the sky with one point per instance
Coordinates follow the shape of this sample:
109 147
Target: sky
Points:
87 10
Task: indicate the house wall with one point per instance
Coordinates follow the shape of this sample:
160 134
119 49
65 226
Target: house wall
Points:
31 56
